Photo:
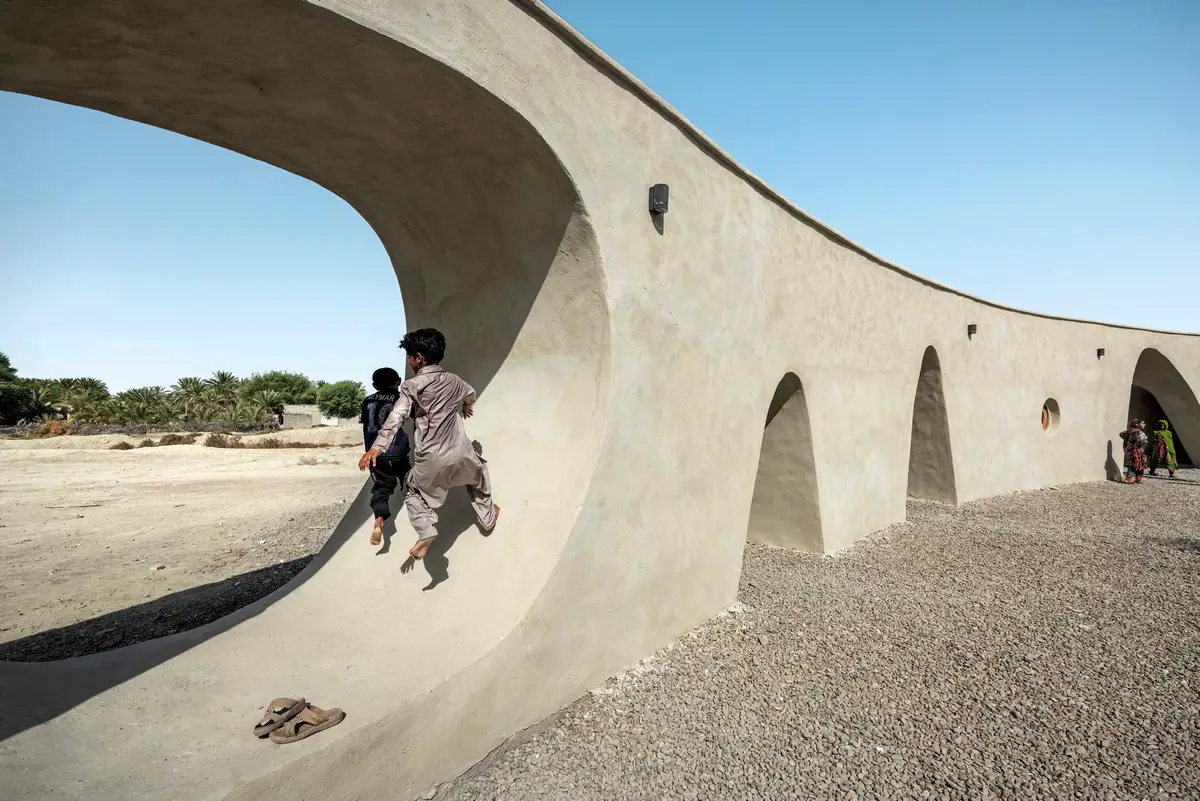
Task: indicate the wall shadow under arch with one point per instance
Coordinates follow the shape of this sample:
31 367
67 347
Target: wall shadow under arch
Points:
930 457
1158 391
785 510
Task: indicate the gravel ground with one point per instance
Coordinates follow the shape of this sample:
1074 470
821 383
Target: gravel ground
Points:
292 546
1038 645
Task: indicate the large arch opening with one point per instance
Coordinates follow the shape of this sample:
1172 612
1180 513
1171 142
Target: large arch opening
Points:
490 242
470 203
1158 392
785 510
482 224
930 459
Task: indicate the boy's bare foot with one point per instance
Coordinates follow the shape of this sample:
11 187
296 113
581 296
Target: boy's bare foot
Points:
418 550
377 532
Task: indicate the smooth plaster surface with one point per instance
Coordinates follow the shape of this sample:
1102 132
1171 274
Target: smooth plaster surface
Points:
626 368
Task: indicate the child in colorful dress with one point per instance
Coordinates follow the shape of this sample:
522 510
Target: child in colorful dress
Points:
1162 450
1135 451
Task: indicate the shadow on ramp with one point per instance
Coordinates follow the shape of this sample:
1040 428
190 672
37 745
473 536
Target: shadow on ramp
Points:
25 699
162 617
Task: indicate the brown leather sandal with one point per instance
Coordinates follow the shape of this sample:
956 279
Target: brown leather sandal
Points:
279 711
312 720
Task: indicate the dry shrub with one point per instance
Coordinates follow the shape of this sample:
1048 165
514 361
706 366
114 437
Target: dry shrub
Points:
308 460
121 446
178 439
147 443
266 442
271 443
52 428
219 440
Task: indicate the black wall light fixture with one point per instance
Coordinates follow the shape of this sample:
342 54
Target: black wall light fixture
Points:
972 330
659 194
1099 353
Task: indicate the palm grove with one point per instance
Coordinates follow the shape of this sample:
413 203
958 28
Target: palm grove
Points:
220 398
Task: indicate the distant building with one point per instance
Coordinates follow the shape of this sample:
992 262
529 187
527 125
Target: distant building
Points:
306 415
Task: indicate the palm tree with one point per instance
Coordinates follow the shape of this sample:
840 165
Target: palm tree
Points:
203 412
245 412
78 394
75 395
7 373
225 385
189 392
50 389
190 386
93 386
46 402
88 409
268 400
144 405
78 401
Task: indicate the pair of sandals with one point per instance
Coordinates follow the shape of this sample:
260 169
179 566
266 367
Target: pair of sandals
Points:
288 720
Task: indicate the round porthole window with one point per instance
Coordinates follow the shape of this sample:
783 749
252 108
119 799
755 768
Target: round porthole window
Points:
1050 416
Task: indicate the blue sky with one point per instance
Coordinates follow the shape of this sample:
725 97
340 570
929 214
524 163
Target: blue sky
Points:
138 256
1043 155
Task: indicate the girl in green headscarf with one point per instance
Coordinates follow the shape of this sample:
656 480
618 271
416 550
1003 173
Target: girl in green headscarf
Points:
1162 450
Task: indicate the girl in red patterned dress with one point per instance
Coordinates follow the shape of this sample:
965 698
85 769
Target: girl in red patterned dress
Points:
1135 451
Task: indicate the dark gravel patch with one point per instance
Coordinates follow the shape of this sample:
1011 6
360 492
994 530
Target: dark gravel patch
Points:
1038 645
292 547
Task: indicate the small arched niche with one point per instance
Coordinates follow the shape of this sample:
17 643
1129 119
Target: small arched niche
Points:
785 510
930 459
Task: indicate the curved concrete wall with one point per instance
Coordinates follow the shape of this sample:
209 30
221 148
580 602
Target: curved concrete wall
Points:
642 377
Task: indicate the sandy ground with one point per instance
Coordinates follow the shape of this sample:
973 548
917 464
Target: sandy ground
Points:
86 532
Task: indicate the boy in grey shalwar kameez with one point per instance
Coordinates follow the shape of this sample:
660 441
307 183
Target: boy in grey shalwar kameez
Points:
443 457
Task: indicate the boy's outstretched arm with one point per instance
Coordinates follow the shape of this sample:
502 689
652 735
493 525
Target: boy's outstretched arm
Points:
468 405
387 434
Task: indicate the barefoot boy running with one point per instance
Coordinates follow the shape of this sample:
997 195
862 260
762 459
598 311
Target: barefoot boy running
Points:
443 456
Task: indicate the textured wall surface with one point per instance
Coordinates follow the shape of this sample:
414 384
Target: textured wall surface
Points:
627 367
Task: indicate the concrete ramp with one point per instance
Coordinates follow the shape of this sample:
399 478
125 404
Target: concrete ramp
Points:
171 718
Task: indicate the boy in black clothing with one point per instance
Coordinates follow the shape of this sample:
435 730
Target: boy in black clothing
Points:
389 469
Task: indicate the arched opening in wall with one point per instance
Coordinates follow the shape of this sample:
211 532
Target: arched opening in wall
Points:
1159 392
481 223
785 510
930 459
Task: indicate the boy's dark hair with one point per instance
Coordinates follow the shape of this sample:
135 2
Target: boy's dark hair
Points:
385 378
428 342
